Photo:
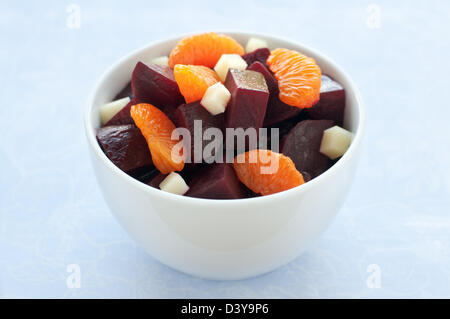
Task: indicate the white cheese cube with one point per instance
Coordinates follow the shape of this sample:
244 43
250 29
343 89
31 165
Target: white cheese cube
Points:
335 142
216 98
108 110
255 43
174 183
229 61
161 60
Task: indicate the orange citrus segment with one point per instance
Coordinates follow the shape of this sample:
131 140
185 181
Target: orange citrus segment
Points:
157 130
203 49
194 80
266 172
298 77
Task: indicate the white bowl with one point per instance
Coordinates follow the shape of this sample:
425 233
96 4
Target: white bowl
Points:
223 239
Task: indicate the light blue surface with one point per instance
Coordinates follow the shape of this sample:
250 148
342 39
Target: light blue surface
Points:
396 216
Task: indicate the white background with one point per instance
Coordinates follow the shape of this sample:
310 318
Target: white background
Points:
396 216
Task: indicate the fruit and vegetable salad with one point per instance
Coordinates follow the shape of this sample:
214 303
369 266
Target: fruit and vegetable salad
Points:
190 123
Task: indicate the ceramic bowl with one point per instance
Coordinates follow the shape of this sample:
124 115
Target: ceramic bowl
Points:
223 239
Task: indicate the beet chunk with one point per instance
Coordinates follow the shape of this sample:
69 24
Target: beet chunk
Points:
126 92
250 193
246 108
216 181
302 145
144 174
272 83
186 114
277 111
248 102
331 105
260 55
283 128
125 147
306 176
155 84
123 117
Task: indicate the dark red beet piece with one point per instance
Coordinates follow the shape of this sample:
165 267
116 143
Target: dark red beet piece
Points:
216 181
302 145
123 117
155 181
249 96
260 55
155 84
249 193
331 105
283 128
286 125
306 176
277 111
126 92
247 106
144 174
272 83
125 146
186 114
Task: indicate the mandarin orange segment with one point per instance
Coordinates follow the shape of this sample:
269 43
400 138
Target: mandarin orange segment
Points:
157 130
194 80
266 172
203 49
298 77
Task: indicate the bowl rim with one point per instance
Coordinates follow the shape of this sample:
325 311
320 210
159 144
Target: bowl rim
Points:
356 141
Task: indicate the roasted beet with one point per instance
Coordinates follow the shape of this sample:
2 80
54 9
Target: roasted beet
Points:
277 111
216 181
125 147
155 84
249 193
126 92
306 176
123 117
260 55
186 114
302 145
331 105
272 83
283 128
144 174
249 96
